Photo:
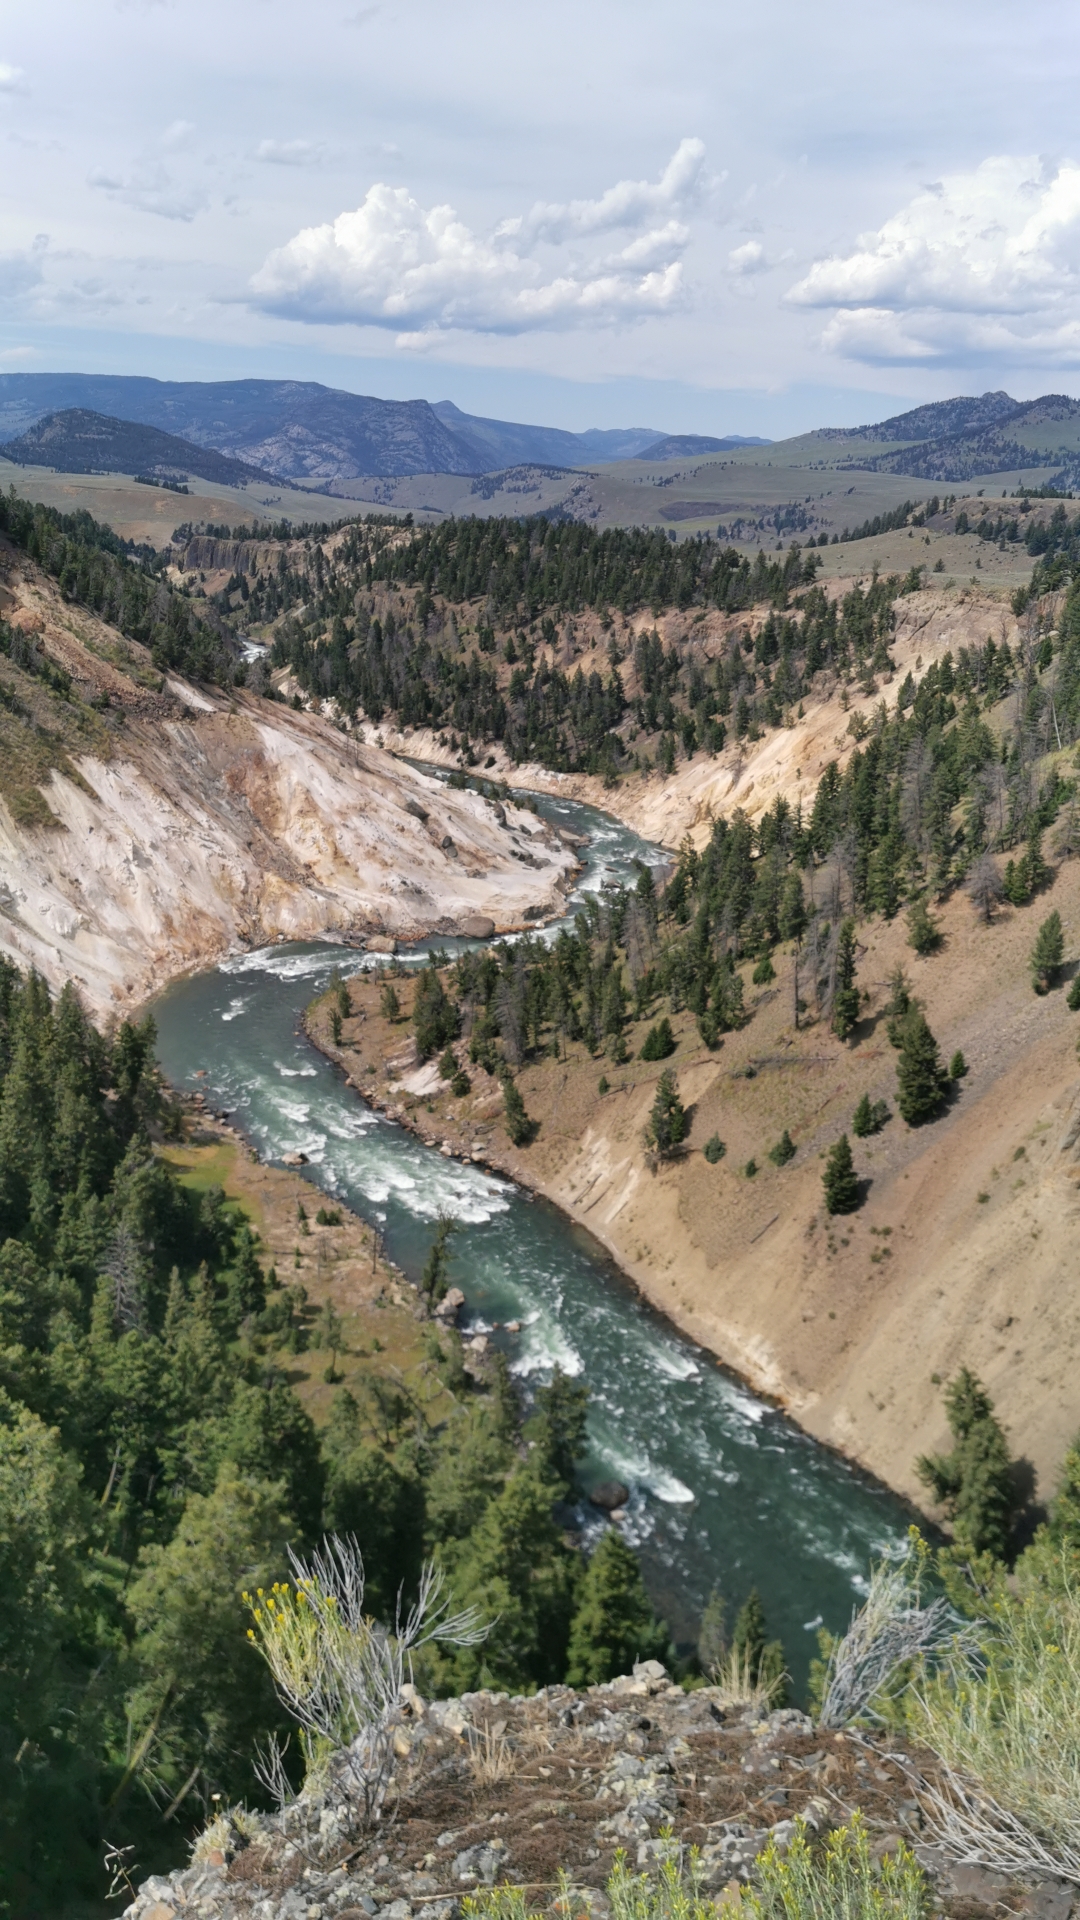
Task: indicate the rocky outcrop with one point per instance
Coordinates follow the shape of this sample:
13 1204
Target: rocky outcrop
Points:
493 1790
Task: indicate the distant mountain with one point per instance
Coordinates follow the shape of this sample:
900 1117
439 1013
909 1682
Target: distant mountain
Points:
940 419
679 446
295 429
506 443
311 434
1032 433
79 441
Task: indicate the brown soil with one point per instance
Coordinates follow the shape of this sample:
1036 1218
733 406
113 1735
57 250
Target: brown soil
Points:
963 1252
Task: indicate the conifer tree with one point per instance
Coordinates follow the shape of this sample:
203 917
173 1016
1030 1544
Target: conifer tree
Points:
614 1625
924 934
839 1180
783 1151
975 1482
712 1634
435 1278
517 1122
862 1120
921 1079
759 1657
667 1123
1048 953
846 1001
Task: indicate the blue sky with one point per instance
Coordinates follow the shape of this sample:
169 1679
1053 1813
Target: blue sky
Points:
693 216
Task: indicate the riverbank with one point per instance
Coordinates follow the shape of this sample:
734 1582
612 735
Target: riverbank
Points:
850 1325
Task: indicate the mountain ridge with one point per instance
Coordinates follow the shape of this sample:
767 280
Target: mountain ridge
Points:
78 440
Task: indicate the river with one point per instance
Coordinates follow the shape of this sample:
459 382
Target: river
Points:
724 1487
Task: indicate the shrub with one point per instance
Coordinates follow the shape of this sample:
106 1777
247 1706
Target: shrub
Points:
602 1085
460 1085
958 1066
804 1883
714 1149
783 1151
1072 998
659 1042
1006 1724
328 1217
750 1170
764 971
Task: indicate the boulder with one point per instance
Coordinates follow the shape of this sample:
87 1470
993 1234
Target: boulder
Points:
380 943
609 1495
476 926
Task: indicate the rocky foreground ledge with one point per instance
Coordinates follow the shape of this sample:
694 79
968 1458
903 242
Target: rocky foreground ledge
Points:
491 1789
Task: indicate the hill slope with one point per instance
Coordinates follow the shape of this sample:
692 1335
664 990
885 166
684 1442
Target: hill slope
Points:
147 825
80 441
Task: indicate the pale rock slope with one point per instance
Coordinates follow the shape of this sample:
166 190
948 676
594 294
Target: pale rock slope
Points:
216 821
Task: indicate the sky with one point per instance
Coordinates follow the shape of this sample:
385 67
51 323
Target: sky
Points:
691 216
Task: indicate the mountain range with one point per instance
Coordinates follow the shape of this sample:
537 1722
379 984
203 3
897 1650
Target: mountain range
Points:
300 431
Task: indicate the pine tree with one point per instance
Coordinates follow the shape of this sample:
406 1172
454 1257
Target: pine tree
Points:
791 915
614 1625
839 1180
667 1123
1048 953
846 1001
435 1278
760 1658
975 1482
1072 998
924 934
783 1151
516 1120
862 1120
389 1004
712 1634
920 1077
659 1041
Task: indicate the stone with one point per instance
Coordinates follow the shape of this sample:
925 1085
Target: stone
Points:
381 943
609 1494
476 926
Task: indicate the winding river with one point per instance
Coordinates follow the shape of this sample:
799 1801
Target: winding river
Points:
724 1487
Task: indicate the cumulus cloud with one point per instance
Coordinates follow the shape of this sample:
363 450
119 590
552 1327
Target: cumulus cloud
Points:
747 259
393 263
979 264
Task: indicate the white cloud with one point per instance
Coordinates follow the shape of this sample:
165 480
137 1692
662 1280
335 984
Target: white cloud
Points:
393 263
979 265
629 203
179 137
11 79
149 189
288 153
748 259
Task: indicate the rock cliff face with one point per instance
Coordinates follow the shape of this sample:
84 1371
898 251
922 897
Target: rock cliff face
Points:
200 822
492 1790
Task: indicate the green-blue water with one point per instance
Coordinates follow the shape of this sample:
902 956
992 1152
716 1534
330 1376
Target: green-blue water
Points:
723 1486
